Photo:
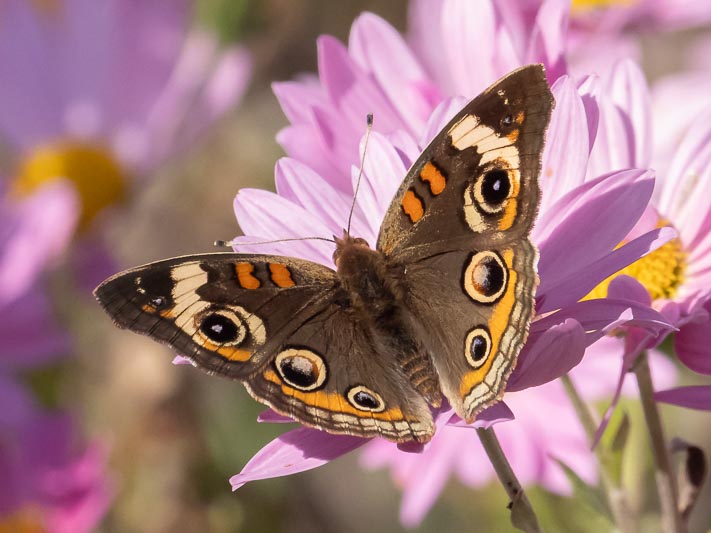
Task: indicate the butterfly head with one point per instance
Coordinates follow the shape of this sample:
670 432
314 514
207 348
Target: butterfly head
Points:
346 246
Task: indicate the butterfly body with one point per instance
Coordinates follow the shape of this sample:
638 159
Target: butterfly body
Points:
438 309
375 291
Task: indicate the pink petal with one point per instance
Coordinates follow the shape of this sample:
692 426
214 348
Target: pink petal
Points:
442 114
33 232
601 316
548 356
547 44
692 343
295 451
489 417
634 185
380 50
629 93
297 98
565 155
432 475
694 397
383 172
271 217
628 288
297 182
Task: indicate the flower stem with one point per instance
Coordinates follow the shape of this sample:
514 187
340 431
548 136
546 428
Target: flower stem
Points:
614 492
523 516
664 474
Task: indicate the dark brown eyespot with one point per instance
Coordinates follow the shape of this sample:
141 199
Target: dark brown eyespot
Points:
507 120
495 187
477 346
219 328
485 277
365 399
301 368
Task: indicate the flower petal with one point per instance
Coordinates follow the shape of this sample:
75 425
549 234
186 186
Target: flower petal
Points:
380 49
693 397
692 343
548 356
579 283
567 148
269 216
33 232
295 451
489 417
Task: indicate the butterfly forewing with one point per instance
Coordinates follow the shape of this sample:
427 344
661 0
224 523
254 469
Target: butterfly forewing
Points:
477 181
224 312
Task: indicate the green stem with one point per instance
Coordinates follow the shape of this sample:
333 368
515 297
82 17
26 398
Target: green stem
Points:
523 516
614 492
664 473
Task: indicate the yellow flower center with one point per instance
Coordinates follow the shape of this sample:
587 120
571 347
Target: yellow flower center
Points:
25 520
660 272
98 178
581 6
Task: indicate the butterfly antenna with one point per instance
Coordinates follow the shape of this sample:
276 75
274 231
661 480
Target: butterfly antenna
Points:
369 121
229 244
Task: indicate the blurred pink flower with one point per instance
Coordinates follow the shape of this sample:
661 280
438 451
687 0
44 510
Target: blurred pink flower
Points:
50 480
100 93
614 16
33 232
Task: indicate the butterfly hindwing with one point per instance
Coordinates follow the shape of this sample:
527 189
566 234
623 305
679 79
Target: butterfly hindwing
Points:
474 330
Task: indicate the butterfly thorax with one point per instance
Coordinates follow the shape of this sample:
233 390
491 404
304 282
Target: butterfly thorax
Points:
373 289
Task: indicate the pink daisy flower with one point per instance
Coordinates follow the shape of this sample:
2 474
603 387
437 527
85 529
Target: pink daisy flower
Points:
307 204
62 487
34 231
59 488
676 278
100 93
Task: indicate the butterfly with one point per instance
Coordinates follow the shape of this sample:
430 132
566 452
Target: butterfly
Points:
438 310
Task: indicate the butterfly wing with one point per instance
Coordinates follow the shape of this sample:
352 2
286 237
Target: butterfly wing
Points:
459 228
279 325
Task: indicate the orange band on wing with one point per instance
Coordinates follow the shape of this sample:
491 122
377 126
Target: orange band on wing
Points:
245 277
327 401
281 275
511 210
228 352
497 325
434 177
413 206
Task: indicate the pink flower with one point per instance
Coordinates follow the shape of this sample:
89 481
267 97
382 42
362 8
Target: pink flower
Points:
100 93
676 279
50 480
33 232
